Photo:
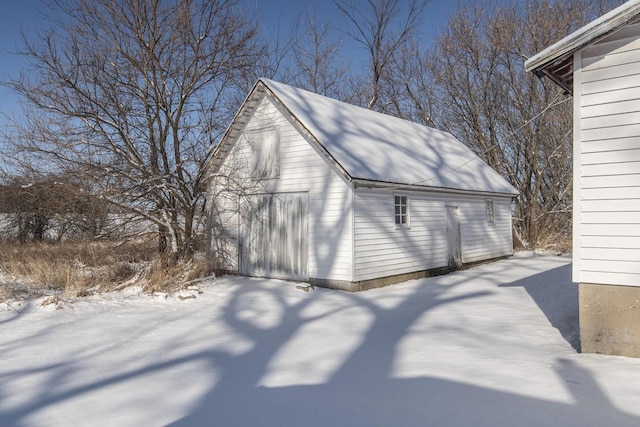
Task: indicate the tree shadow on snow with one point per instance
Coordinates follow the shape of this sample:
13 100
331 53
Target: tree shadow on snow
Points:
361 390
377 400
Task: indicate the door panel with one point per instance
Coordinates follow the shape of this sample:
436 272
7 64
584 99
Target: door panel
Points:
454 258
275 242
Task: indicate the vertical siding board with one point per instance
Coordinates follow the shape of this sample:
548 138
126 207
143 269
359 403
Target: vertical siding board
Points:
607 160
277 236
577 168
454 246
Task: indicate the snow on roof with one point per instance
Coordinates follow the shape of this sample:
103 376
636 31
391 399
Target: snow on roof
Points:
373 146
553 56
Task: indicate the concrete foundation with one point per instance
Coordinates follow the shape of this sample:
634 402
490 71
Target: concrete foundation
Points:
375 283
344 285
609 319
391 280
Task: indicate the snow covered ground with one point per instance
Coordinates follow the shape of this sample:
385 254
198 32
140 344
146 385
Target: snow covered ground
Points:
489 346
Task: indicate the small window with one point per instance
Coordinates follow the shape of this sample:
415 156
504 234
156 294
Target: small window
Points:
401 211
264 152
490 217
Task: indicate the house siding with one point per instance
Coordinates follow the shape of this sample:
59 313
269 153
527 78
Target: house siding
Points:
301 169
607 138
382 249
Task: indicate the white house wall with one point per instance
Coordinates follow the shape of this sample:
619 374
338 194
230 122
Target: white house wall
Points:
301 169
223 225
382 249
607 178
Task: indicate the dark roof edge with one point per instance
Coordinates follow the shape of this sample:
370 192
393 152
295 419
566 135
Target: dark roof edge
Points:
369 183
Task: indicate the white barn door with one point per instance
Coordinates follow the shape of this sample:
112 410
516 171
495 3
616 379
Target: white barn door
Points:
454 258
275 239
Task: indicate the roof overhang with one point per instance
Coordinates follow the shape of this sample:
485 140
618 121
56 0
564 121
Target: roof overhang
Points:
234 130
556 61
370 184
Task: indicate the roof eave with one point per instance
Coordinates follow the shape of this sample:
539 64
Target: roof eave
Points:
368 183
582 37
564 83
223 146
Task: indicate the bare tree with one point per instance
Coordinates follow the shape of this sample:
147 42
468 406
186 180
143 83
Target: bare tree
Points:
316 59
410 91
133 95
521 127
383 28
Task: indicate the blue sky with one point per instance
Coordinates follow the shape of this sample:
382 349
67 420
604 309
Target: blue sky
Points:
14 15
23 14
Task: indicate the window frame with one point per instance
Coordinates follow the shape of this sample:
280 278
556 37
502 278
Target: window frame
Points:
490 211
399 216
256 137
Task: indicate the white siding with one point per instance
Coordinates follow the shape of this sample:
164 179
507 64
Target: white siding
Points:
481 240
607 208
222 206
301 169
382 249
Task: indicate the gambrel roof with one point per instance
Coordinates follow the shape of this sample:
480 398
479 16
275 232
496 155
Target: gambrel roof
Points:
372 148
556 61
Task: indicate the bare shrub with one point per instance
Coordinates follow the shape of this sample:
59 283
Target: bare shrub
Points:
560 242
199 269
163 278
72 269
41 276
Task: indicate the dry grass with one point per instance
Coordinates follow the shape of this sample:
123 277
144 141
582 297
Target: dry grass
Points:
162 278
558 242
71 270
